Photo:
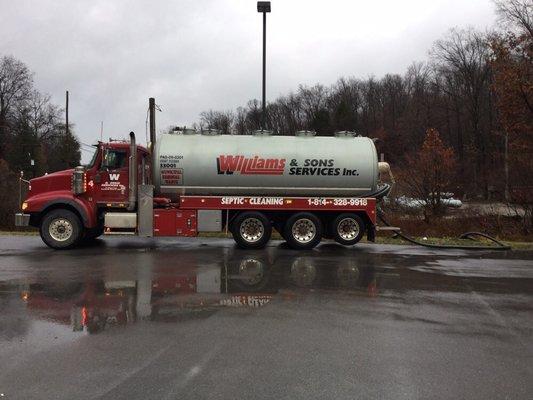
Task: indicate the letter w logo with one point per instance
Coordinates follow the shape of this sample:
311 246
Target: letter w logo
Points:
228 164
114 177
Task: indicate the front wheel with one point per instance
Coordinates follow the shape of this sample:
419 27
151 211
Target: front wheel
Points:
61 229
303 231
251 230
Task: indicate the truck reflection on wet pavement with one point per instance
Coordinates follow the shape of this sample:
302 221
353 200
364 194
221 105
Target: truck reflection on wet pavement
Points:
182 319
187 290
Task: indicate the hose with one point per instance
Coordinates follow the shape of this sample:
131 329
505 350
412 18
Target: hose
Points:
381 191
467 235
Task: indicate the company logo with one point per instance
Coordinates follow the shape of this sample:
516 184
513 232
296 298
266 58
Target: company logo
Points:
114 177
250 165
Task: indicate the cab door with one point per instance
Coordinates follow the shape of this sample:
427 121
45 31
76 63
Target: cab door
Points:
111 186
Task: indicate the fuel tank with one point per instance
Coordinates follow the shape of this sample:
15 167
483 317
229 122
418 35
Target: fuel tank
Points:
301 165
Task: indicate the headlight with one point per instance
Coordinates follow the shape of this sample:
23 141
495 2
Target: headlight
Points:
24 205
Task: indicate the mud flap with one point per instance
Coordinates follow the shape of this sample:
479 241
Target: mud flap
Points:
371 233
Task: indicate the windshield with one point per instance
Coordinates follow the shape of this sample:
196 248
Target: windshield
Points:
93 158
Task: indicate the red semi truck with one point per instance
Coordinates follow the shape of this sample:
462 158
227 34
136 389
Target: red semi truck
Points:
213 183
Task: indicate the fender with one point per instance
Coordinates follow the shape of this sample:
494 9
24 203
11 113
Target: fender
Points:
39 203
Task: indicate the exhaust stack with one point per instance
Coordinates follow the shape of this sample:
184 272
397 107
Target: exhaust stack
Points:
151 108
132 171
151 111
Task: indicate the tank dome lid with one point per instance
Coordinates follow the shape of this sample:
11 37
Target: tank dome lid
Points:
262 132
305 133
346 134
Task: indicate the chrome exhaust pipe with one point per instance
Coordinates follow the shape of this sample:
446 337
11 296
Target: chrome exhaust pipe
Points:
153 136
132 174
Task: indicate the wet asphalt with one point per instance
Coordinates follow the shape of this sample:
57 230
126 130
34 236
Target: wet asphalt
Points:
130 318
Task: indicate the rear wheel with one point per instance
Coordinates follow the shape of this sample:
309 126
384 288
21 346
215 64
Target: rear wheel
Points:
348 229
303 231
61 229
251 230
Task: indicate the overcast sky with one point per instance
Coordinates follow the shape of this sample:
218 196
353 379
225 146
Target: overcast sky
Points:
205 54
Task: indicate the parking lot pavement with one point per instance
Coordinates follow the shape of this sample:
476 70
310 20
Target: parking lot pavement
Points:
129 318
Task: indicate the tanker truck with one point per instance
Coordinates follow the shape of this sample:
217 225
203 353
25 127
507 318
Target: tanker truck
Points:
185 183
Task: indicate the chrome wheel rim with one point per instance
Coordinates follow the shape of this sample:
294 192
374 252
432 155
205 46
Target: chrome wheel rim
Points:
303 230
303 272
251 271
60 229
252 230
348 229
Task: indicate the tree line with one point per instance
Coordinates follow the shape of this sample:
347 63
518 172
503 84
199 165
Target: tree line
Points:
475 90
33 135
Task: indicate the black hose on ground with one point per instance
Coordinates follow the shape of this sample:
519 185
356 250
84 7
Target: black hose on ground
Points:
467 235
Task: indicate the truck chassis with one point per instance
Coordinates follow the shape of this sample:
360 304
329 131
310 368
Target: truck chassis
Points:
301 221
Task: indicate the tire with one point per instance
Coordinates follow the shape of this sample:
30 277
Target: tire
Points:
251 230
61 229
347 229
303 231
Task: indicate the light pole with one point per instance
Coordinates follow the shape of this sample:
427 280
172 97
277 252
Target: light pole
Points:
264 7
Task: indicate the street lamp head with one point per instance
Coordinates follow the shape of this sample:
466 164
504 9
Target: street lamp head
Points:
263 6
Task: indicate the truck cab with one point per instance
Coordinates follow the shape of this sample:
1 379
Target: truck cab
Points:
69 206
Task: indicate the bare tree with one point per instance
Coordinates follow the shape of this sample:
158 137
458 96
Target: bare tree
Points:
239 122
345 103
15 86
516 14
253 116
221 120
463 58
41 115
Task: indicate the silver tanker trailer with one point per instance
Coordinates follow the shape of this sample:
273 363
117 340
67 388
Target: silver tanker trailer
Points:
190 163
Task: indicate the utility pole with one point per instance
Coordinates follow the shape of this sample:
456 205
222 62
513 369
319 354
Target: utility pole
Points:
66 113
151 108
264 7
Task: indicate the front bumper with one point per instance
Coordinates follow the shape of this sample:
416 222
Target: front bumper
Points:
22 219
